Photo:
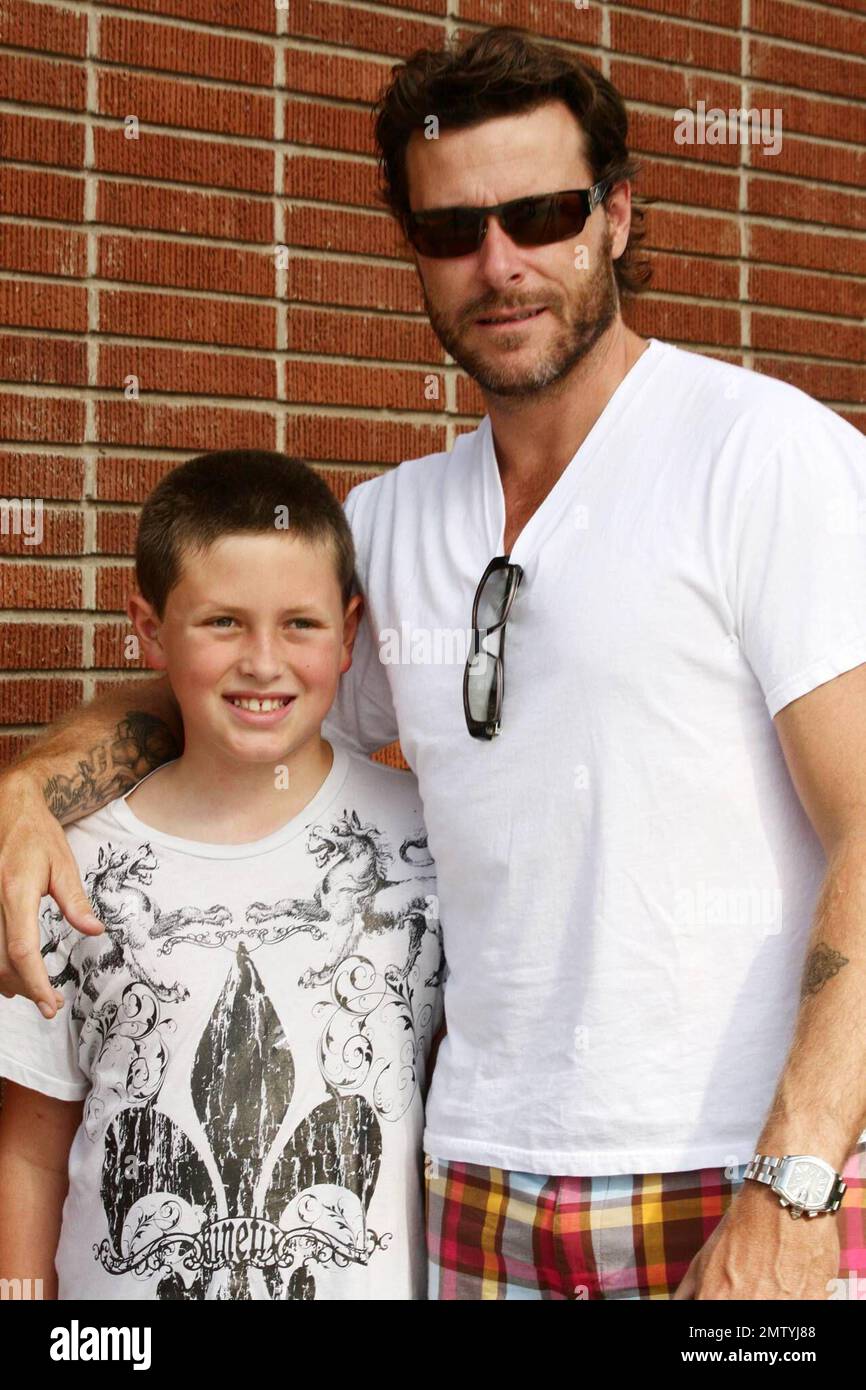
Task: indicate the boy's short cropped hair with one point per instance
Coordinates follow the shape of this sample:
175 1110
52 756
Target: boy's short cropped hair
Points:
232 491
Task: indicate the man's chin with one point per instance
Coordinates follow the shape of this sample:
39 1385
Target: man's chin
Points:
557 368
516 383
515 378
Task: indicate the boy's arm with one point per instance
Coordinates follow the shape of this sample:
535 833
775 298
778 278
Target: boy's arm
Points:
36 1134
89 757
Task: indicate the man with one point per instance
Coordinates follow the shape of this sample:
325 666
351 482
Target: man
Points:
629 871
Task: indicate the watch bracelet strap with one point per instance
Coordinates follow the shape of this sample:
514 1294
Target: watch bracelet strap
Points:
764 1168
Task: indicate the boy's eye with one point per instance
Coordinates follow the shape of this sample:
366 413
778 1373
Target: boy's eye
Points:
224 620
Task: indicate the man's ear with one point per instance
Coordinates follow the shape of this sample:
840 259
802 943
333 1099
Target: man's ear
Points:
351 619
146 622
617 206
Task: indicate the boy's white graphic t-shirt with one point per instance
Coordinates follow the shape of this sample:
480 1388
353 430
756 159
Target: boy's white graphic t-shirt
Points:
626 875
250 1034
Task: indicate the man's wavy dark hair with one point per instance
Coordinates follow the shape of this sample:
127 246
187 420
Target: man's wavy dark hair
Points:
498 72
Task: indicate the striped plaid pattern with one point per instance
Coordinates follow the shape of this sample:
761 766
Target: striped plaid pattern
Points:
506 1235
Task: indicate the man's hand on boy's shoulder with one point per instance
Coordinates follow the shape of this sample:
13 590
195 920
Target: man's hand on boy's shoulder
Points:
35 860
88 759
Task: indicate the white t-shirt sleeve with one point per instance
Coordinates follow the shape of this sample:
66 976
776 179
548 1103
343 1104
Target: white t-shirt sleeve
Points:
37 1052
363 714
798 583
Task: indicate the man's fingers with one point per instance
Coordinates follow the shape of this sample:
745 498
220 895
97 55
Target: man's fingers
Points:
35 859
67 890
5 972
23 969
687 1286
21 964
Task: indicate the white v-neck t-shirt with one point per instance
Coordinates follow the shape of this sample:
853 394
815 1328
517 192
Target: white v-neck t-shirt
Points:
626 876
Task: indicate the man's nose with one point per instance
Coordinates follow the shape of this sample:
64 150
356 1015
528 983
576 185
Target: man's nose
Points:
499 258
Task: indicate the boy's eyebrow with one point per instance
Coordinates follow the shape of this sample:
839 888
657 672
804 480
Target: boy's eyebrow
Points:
304 606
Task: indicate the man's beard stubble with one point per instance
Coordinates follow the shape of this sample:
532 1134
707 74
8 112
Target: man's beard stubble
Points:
591 316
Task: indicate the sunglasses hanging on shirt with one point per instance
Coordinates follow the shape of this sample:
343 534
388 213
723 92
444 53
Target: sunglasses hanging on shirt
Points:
484 676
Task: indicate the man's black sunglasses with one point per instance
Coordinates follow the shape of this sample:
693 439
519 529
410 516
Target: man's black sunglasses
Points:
536 220
484 676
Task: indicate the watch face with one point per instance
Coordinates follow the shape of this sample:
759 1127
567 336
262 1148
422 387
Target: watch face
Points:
808 1185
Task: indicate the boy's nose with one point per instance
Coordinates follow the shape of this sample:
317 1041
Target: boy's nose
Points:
262 658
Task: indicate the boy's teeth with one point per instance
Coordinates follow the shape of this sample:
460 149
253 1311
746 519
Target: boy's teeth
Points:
259 706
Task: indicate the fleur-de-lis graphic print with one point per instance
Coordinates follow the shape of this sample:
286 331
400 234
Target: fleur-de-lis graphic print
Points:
260 1229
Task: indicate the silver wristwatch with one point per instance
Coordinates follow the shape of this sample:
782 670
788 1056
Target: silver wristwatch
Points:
805 1184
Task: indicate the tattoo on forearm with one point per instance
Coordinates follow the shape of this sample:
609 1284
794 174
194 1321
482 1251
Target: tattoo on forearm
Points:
822 964
141 742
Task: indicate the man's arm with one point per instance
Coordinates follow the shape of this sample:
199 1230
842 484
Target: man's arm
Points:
101 750
36 1134
820 1102
86 759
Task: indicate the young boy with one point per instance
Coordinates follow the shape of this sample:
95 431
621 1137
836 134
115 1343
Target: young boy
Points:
235 1087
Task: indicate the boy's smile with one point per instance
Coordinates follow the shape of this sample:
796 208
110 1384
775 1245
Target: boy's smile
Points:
260 709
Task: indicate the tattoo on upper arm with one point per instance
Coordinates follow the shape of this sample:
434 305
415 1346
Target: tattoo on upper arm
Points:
141 742
822 964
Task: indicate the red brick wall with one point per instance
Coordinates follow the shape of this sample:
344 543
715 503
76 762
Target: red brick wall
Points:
155 257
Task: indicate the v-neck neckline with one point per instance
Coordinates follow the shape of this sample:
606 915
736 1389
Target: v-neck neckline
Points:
494 497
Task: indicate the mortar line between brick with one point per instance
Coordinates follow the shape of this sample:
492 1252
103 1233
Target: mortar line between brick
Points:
88 560
680 161
210 30
745 160
452 26
827 9
315 44
13 220
280 267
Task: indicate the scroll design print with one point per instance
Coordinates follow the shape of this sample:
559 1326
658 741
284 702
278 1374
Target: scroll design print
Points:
365 1013
128 1042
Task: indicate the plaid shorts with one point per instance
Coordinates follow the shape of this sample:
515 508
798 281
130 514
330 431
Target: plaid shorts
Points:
498 1234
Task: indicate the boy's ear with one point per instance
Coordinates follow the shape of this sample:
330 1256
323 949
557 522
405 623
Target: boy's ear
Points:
147 626
351 618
